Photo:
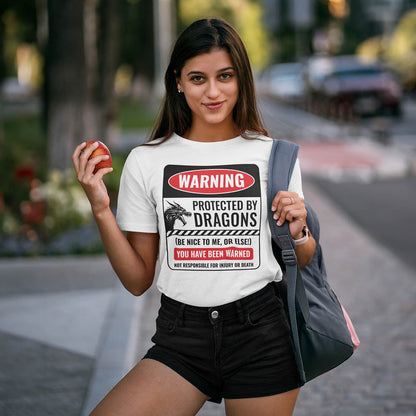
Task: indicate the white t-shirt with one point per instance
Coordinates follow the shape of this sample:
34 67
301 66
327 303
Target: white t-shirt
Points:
208 202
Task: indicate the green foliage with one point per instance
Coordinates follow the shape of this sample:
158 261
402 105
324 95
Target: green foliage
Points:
112 180
397 51
134 114
47 212
18 21
40 209
401 50
33 200
66 203
24 145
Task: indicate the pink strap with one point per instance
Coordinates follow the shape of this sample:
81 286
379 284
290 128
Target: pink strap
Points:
354 337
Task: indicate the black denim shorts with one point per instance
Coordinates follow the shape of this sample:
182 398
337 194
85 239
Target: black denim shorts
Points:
241 349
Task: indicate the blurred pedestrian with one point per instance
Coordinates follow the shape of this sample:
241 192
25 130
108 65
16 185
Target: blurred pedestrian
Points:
194 197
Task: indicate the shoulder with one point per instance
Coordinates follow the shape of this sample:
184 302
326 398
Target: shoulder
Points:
149 156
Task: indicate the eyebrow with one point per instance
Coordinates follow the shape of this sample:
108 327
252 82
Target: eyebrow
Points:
220 70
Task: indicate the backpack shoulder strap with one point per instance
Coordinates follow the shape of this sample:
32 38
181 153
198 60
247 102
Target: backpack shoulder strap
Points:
281 163
282 160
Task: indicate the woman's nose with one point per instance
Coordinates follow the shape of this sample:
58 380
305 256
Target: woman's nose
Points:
212 89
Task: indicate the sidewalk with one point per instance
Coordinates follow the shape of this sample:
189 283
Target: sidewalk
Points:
69 331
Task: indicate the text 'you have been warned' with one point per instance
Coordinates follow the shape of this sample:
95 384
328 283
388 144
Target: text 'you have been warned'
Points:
212 217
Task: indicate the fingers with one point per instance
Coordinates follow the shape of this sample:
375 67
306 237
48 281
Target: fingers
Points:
91 182
84 159
84 166
76 154
80 157
101 172
288 206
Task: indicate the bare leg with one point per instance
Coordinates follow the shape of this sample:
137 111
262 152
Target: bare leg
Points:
151 389
278 405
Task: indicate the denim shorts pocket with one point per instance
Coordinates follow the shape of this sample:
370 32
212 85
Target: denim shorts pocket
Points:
269 312
166 321
165 324
165 330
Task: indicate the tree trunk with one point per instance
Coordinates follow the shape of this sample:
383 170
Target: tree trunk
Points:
2 72
80 64
65 81
42 41
144 62
108 58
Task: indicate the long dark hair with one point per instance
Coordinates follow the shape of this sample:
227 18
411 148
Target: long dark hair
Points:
201 37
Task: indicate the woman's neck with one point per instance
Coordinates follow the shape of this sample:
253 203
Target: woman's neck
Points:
212 133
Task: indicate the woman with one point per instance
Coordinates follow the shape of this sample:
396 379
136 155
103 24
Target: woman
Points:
195 196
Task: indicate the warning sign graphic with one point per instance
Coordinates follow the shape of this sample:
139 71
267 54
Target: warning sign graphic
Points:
212 217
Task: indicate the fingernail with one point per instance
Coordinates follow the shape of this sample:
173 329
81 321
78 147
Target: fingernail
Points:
279 223
273 208
275 217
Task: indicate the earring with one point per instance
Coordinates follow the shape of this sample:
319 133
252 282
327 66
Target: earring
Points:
179 89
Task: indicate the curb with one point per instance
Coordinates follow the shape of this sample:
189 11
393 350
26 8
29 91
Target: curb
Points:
118 347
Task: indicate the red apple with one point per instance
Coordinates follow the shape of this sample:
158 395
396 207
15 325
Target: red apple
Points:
101 150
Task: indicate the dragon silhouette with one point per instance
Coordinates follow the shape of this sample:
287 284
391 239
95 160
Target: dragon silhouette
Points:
173 213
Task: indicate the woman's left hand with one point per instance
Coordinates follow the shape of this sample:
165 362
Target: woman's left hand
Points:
289 206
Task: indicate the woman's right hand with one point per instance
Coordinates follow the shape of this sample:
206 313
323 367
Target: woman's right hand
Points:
92 184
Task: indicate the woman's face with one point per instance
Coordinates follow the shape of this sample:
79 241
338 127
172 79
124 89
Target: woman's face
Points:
209 83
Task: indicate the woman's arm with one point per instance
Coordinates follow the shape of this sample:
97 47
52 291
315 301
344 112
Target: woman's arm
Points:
288 206
305 252
133 257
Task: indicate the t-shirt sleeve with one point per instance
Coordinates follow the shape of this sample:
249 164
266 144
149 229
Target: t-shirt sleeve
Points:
295 184
135 209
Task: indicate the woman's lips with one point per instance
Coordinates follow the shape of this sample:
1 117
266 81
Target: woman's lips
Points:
214 106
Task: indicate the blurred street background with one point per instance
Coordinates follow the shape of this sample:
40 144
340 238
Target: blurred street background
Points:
336 76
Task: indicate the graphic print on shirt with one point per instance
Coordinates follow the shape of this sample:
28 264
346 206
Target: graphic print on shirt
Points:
212 217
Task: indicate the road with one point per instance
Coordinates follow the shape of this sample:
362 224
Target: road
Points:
383 207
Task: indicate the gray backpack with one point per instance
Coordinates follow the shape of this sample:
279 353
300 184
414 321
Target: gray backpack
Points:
321 336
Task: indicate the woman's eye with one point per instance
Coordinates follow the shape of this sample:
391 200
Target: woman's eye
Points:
197 78
226 75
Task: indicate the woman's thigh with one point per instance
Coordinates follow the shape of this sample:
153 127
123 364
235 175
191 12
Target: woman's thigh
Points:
281 404
151 388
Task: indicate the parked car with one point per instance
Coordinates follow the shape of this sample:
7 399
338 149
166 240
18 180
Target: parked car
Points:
284 82
365 88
